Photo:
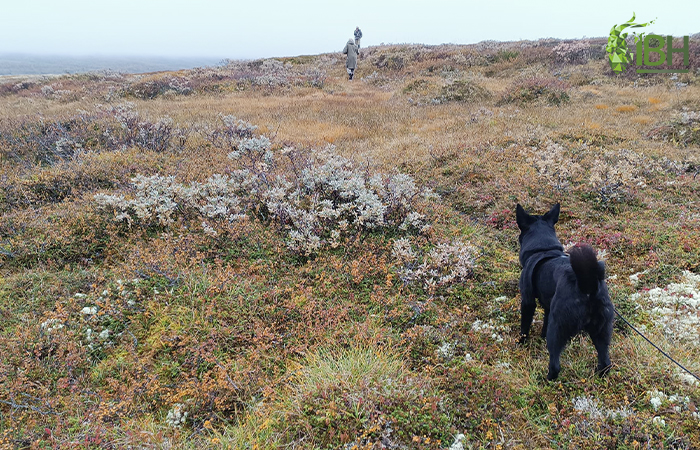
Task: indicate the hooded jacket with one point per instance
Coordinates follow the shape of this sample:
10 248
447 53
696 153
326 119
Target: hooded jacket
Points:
351 50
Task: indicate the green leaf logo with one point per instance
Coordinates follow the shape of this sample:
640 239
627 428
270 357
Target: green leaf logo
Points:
618 53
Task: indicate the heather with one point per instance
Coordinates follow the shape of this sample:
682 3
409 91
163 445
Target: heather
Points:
262 254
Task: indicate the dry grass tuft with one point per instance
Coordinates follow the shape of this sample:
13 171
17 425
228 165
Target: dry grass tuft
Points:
643 120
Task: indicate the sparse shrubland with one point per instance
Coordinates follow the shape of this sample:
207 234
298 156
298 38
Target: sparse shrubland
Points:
321 199
263 254
106 128
608 178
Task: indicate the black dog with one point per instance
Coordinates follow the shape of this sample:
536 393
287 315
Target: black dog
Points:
571 289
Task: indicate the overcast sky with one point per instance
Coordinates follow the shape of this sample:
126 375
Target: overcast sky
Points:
246 29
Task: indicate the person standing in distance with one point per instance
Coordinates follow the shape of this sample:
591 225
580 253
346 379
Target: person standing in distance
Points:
351 62
358 36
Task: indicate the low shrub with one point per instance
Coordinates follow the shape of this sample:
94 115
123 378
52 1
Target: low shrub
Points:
10 88
503 55
551 90
462 91
50 141
444 265
420 86
135 131
228 135
150 89
578 52
390 62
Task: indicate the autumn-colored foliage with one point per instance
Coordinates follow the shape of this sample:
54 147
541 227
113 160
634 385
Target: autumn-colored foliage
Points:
265 255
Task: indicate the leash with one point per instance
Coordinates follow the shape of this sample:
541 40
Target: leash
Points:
654 345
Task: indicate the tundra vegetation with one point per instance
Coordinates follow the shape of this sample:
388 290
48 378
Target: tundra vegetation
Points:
263 254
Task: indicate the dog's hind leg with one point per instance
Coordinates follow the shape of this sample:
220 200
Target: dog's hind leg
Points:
601 341
545 323
555 345
557 338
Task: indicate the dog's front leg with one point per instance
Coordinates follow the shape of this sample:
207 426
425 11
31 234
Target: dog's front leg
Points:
527 312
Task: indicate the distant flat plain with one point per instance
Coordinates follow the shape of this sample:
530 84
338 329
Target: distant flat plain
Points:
26 64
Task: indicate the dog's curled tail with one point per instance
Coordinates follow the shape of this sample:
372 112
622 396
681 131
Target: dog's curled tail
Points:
587 269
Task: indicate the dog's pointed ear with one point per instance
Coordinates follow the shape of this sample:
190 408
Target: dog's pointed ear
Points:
553 214
523 219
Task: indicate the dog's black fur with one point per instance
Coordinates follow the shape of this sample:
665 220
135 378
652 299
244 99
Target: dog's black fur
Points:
571 289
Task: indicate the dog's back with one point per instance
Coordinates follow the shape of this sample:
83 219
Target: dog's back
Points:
587 270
